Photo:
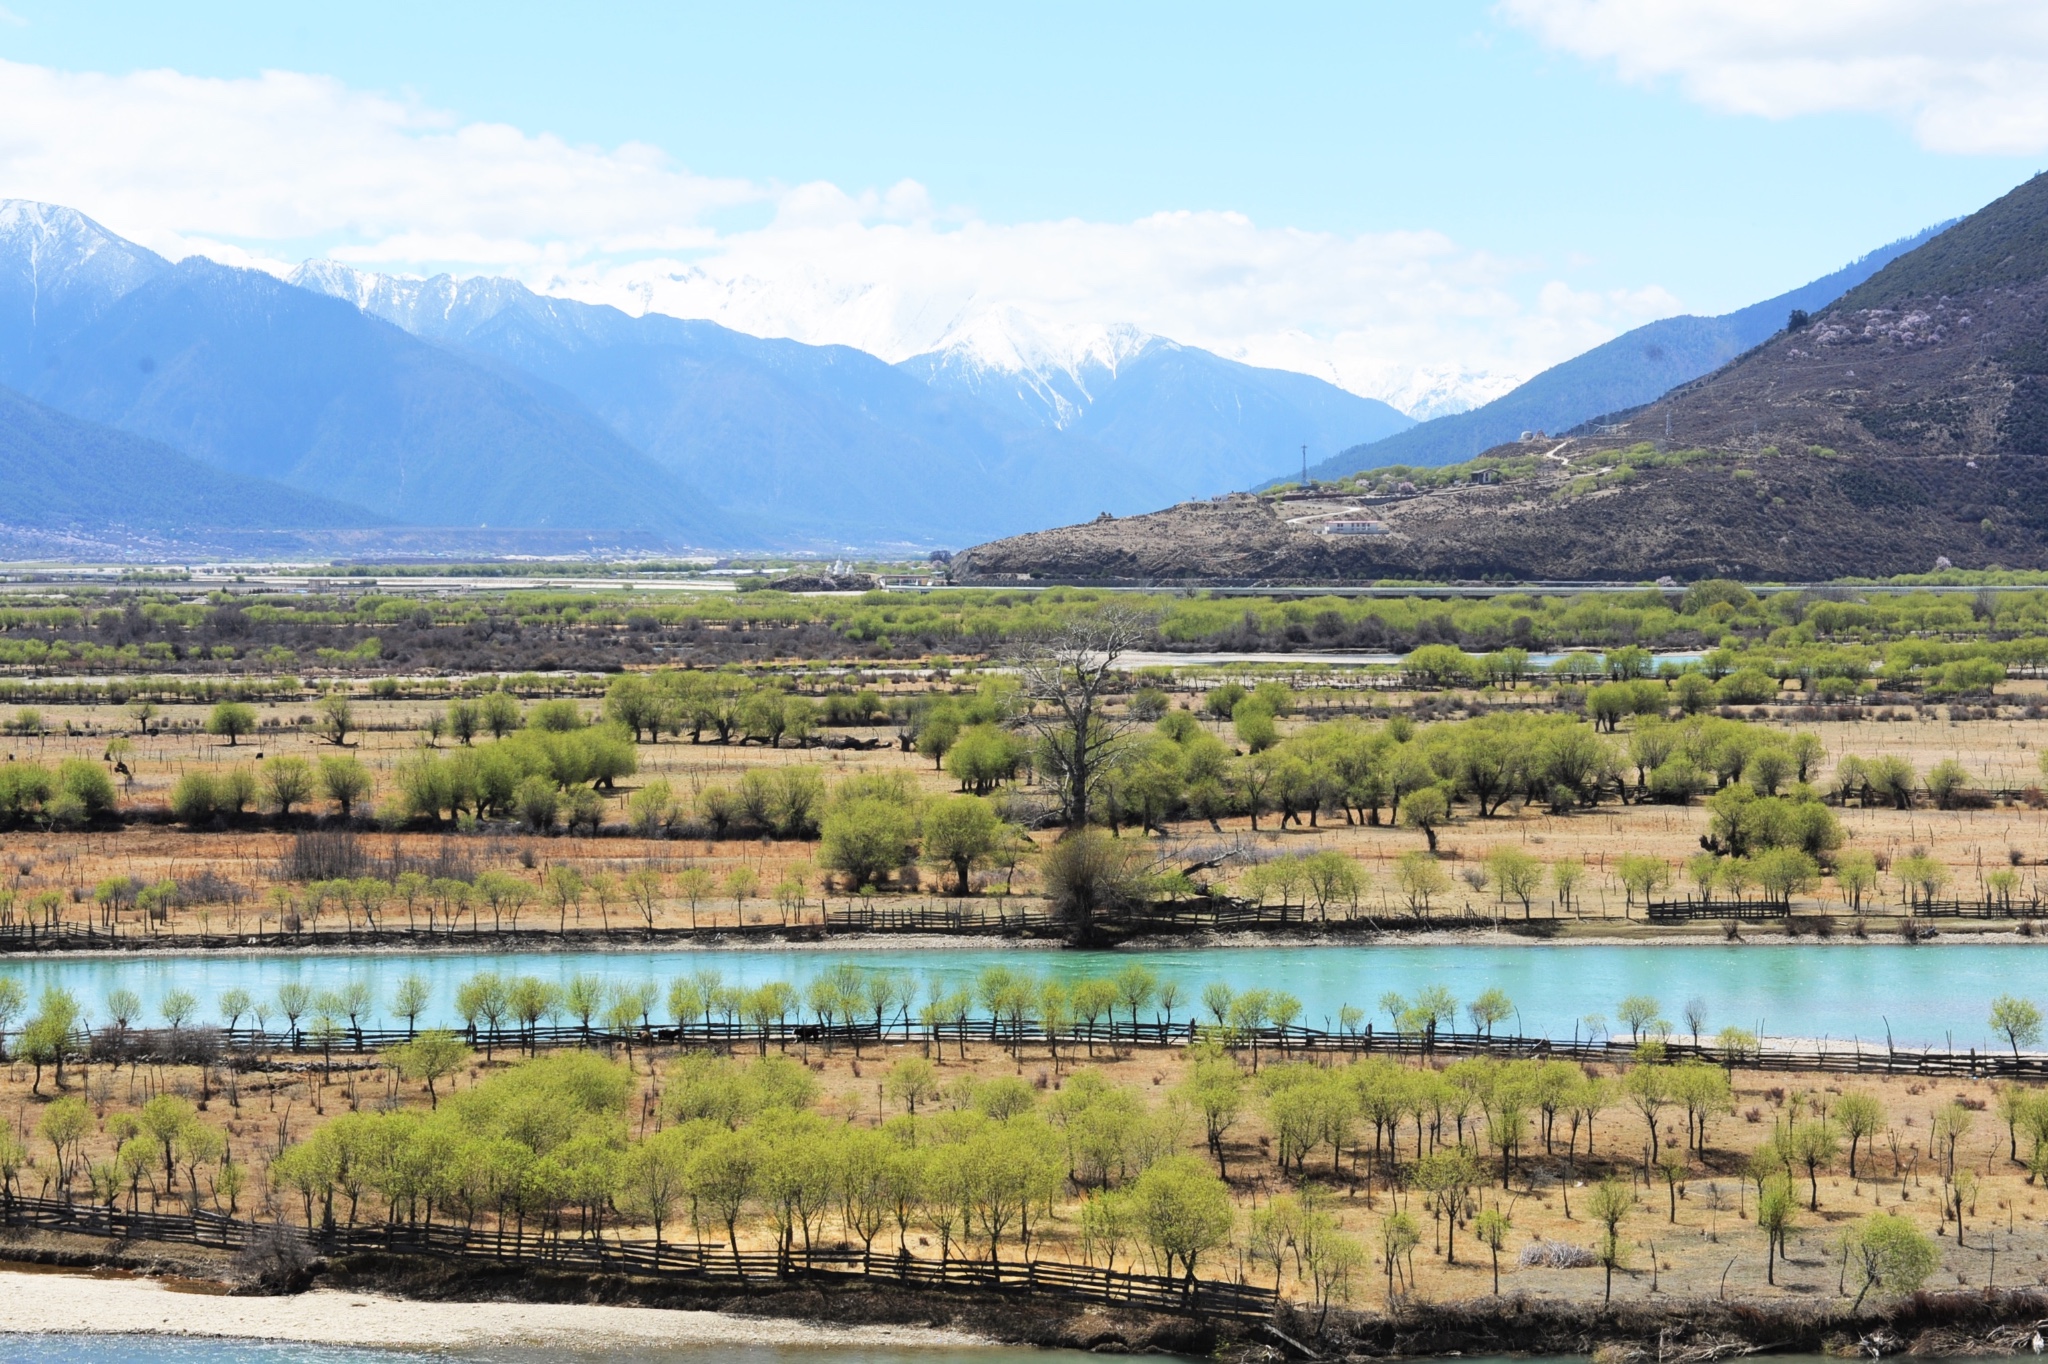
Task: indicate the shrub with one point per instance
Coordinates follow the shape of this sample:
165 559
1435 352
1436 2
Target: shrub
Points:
1148 704
1254 724
1438 665
1557 1255
196 800
982 757
88 785
1220 702
960 831
1088 873
24 789
555 717
1889 1253
867 837
537 802
1748 687
345 781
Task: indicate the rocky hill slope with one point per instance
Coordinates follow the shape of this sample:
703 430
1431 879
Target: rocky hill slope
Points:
1905 425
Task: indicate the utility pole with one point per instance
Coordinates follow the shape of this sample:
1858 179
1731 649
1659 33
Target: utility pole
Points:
1304 468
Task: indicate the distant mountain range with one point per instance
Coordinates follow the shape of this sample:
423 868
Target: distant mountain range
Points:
1633 368
791 443
259 380
476 410
482 407
829 443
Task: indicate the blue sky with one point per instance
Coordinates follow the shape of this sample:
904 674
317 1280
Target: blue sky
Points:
1535 149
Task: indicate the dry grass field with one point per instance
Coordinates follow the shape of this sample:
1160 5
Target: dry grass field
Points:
1998 753
1698 1238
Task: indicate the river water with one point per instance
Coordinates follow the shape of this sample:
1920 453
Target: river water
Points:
1931 994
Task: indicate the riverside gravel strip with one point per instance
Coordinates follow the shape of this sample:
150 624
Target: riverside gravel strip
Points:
77 1304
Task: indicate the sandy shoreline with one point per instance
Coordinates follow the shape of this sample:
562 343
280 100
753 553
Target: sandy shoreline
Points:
77 1304
849 942
1486 936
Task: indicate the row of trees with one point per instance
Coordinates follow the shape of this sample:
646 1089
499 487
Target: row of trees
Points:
1014 1007
1891 780
730 705
982 1162
278 785
539 774
1419 775
545 1150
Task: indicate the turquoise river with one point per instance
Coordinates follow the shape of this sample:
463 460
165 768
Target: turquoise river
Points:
1929 995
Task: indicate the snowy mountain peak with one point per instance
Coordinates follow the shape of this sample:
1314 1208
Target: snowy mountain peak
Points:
425 307
1439 392
1009 340
339 281
50 254
1053 370
25 220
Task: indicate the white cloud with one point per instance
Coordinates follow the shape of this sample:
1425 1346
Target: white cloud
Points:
1390 315
167 158
264 171
1967 76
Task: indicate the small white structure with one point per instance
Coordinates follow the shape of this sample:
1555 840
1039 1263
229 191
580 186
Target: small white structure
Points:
1355 528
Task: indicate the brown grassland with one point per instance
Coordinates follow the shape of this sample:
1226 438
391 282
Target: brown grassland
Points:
1998 753
1696 1237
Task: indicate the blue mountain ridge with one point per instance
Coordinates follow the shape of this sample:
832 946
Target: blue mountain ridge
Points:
830 444
58 473
262 379
818 444
479 404
1632 369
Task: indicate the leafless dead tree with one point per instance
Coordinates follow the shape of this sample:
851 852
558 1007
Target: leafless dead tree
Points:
1068 677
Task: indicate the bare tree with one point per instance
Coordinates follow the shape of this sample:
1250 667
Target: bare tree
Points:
1068 677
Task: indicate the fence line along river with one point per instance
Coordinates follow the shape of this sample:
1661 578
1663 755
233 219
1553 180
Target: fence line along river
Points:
1923 995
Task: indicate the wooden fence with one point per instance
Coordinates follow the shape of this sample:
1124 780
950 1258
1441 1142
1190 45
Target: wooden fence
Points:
670 1260
954 916
2015 908
1218 913
73 937
249 1048
964 917
1681 911
1684 911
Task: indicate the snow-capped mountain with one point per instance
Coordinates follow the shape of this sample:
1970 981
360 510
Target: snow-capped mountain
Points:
1113 416
59 270
258 380
824 444
1202 421
1429 393
1049 373
433 309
